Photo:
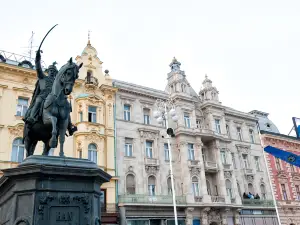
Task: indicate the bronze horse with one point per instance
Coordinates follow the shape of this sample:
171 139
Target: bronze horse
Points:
55 113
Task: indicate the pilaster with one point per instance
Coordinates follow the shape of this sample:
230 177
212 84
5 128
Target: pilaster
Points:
205 196
236 217
221 179
189 216
204 216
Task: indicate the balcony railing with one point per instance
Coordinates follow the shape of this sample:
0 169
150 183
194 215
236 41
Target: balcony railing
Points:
194 163
258 202
211 165
109 208
227 167
151 161
91 80
248 171
156 199
217 199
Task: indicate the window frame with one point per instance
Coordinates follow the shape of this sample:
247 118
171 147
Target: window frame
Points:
195 187
23 107
187 120
146 116
19 148
191 152
91 153
251 135
218 126
127 146
239 133
93 114
127 112
149 150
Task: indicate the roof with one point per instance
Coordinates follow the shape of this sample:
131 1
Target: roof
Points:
265 124
18 60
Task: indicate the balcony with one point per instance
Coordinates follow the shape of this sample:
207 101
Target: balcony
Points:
217 199
210 166
248 171
194 165
151 165
91 80
258 202
146 199
227 167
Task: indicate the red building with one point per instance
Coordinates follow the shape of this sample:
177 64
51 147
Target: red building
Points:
285 177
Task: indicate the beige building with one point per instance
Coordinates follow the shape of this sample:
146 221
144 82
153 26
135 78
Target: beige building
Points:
217 157
93 100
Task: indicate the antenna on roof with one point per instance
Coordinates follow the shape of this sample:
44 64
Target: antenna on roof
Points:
30 46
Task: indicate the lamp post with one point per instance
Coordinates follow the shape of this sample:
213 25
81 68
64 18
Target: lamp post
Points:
161 115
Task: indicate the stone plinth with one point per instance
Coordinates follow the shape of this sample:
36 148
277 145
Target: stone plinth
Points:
47 190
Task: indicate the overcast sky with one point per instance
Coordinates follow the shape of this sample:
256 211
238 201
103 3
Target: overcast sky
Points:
249 49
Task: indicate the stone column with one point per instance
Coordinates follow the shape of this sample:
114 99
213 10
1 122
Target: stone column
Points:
203 186
122 215
204 216
235 190
189 216
185 173
224 216
236 217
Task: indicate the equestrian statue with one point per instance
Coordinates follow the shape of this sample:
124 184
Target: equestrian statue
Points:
48 116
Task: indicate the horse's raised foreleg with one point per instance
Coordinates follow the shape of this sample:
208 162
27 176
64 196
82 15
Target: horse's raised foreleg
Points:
63 125
53 140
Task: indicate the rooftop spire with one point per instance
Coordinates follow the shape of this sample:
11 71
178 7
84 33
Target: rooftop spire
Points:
89 37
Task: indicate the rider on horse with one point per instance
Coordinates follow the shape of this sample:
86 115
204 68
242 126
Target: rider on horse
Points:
42 89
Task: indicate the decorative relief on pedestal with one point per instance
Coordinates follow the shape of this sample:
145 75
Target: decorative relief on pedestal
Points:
153 169
17 130
20 221
64 199
227 174
44 200
85 200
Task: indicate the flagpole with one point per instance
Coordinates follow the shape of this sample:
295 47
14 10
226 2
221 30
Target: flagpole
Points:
269 176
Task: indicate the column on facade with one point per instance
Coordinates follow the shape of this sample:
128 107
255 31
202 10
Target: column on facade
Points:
235 190
143 189
211 121
122 215
221 183
189 216
205 196
204 216
236 217
185 173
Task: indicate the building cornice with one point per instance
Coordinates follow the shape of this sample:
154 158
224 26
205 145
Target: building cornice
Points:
18 69
282 137
105 87
24 89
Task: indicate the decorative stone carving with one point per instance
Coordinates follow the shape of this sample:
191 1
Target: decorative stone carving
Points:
44 200
243 148
227 174
151 169
130 169
214 216
250 178
94 137
17 130
195 171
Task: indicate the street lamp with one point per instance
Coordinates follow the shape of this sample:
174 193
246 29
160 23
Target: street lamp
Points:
161 115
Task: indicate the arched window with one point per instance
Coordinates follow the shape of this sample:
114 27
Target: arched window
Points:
92 149
195 186
250 188
130 184
151 185
263 191
208 187
228 188
17 154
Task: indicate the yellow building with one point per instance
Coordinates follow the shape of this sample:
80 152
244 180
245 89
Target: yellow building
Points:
93 100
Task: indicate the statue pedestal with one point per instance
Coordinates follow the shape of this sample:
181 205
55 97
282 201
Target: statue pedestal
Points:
48 190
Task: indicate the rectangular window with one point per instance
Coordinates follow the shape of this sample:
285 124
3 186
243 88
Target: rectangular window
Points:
146 116
195 188
257 164
22 106
128 147
245 161
297 192
223 157
80 116
166 149
198 123
278 165
151 189
218 126
187 120
284 194
251 133
127 112
191 152
149 150
227 130
92 114
239 133
233 160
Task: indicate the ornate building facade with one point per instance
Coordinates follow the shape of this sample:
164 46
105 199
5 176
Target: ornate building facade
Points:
217 158
93 101
284 176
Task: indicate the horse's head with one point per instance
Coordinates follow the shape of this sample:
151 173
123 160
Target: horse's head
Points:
67 75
